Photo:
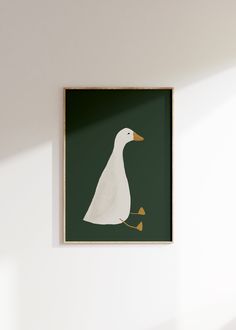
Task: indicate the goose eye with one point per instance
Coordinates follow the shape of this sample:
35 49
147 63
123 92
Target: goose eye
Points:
128 133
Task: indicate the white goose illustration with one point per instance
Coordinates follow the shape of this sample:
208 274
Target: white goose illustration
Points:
111 202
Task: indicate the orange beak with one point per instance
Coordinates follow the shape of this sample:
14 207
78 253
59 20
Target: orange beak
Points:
137 137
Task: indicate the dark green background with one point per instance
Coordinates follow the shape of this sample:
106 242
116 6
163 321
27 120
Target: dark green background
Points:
93 118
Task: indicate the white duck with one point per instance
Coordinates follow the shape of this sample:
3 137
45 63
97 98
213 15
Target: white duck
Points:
111 202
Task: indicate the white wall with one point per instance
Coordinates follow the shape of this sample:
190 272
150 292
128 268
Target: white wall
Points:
49 44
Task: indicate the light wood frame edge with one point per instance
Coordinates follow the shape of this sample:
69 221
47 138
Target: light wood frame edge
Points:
64 165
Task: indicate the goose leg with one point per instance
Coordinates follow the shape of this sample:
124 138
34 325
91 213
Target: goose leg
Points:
139 227
141 211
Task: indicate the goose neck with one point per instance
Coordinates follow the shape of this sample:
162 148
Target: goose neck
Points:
118 148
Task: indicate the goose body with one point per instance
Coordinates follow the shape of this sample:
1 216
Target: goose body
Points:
111 201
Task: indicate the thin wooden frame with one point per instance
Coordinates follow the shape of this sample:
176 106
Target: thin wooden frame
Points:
64 166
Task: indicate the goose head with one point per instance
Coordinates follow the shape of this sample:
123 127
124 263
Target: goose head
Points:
127 135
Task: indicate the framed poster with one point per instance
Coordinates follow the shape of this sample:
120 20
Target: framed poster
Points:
118 165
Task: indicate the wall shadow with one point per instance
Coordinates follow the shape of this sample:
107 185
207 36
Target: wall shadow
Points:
229 326
197 43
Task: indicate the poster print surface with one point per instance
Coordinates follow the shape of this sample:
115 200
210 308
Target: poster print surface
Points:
118 165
